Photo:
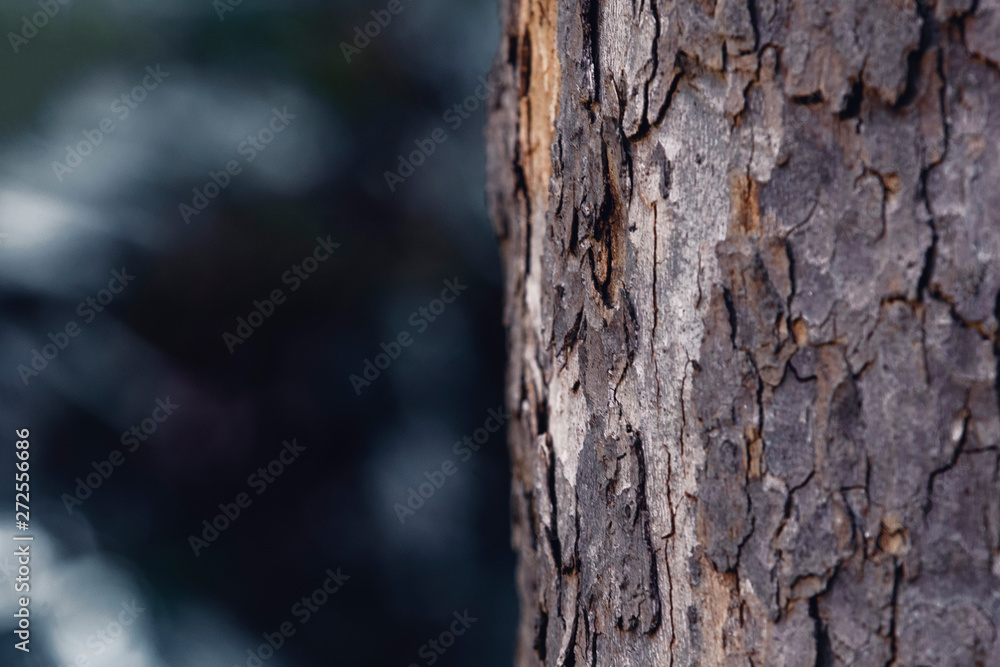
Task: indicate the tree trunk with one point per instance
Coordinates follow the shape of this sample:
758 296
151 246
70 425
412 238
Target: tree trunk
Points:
752 258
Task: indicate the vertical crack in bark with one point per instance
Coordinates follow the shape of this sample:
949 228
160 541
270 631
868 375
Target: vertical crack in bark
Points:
926 274
680 63
567 657
786 515
959 448
552 532
923 283
897 578
928 36
824 652
731 309
670 604
541 634
569 340
747 465
996 349
852 104
524 70
607 254
643 512
656 377
645 125
574 234
656 321
754 18
789 253
576 538
589 638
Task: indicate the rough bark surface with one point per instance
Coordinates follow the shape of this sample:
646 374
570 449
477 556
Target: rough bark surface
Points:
752 254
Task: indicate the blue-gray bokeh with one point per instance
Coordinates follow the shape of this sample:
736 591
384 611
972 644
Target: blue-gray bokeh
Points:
92 182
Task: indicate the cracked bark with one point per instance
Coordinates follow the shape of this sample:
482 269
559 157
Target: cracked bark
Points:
752 264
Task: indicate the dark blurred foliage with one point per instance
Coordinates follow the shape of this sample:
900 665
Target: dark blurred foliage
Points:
322 176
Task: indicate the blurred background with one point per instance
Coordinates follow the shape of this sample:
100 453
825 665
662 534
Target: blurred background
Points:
169 167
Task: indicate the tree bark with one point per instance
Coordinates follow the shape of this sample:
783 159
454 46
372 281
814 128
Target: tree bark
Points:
752 256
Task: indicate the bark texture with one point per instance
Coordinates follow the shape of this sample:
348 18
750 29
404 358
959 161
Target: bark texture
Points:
752 256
